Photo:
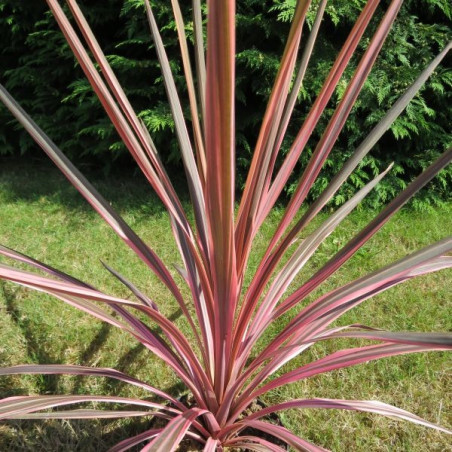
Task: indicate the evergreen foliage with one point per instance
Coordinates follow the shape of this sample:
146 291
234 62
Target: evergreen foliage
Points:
38 67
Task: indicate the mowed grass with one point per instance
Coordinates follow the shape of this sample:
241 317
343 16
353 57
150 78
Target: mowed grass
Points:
42 216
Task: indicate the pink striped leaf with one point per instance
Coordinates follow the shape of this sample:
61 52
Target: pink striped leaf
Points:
326 143
16 407
287 353
199 55
254 443
166 193
317 109
262 155
414 338
180 227
158 178
138 294
284 354
304 328
319 324
362 237
51 369
343 299
282 433
84 414
135 440
151 336
138 326
368 406
288 108
145 337
148 434
155 346
133 325
308 325
20 257
91 308
63 289
94 198
197 132
363 149
211 445
343 359
439 263
270 261
196 273
307 128
218 372
174 432
193 179
123 101
295 263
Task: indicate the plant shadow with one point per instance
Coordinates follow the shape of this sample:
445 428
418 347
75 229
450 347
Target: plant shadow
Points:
34 348
39 180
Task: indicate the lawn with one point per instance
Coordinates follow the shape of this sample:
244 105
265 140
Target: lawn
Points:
42 216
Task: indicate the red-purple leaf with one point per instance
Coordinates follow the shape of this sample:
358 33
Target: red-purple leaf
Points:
220 183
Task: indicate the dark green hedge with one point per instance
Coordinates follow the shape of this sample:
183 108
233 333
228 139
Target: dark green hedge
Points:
38 68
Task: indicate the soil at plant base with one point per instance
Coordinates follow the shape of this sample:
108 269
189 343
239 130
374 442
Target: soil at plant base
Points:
189 445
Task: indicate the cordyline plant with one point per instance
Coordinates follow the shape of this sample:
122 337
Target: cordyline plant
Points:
222 368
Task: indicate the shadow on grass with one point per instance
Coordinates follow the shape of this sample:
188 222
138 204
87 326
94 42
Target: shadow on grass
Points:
124 363
75 435
35 349
37 180
37 352
87 356
131 357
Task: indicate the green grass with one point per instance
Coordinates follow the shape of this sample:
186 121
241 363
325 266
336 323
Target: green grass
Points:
41 215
